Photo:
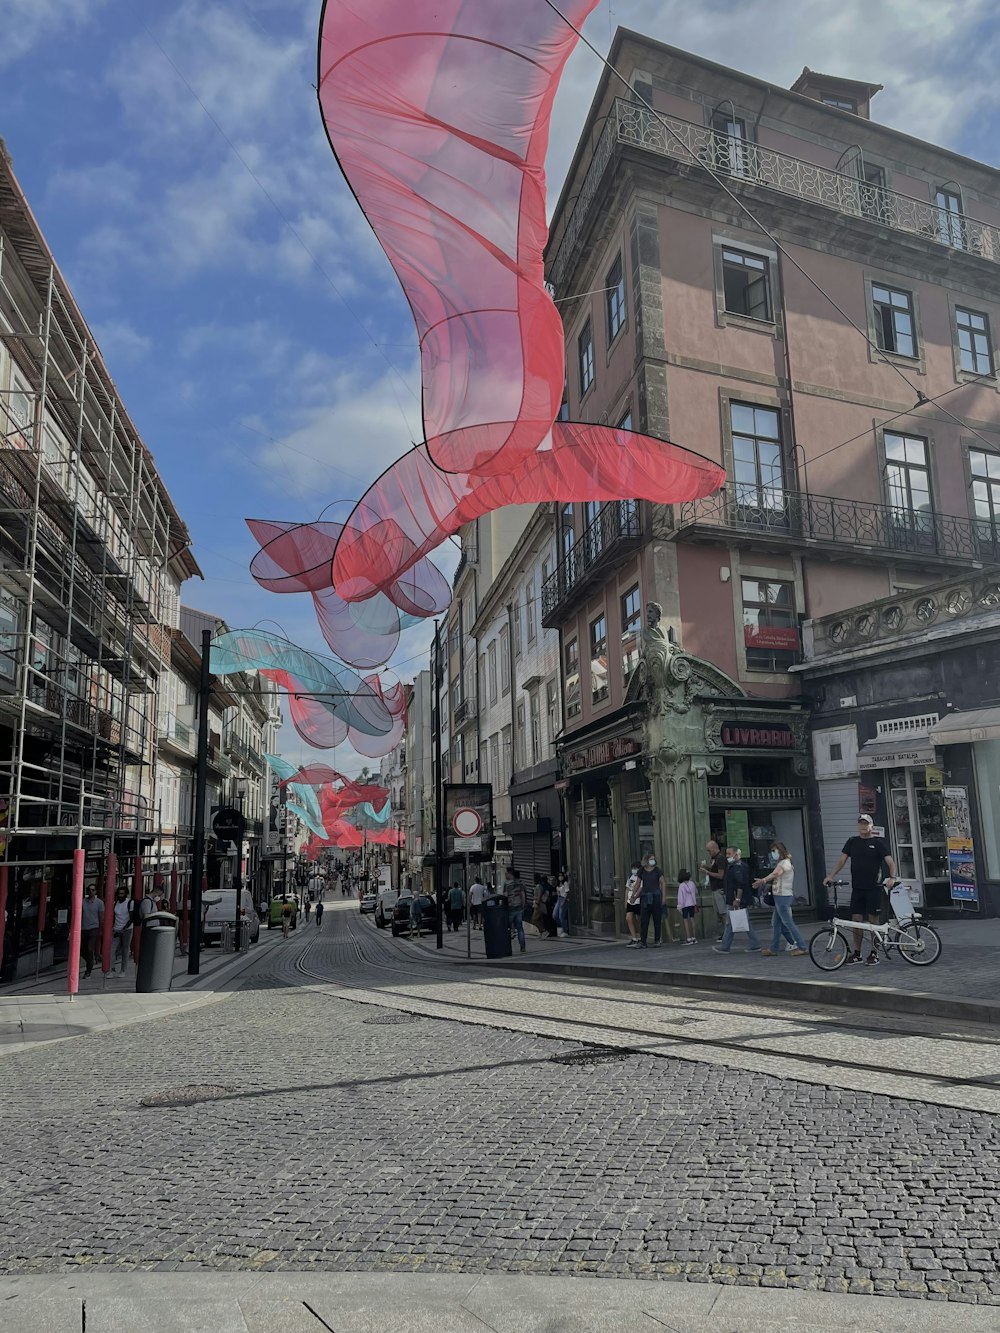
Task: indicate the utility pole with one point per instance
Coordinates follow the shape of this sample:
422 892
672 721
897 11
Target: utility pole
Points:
200 792
438 790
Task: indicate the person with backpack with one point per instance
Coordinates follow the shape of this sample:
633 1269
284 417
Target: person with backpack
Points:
513 891
319 915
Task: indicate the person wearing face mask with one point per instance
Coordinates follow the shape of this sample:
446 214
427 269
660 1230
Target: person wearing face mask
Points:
652 900
122 926
781 879
736 887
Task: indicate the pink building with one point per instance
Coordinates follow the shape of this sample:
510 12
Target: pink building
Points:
774 281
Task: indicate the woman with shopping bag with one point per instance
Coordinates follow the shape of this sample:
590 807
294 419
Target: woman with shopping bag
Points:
736 887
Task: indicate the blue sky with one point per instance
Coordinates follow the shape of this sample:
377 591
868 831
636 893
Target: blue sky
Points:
173 153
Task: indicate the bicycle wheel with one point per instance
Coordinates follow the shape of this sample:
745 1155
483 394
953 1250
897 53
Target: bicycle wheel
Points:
829 949
918 944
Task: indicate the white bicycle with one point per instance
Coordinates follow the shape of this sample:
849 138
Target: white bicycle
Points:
907 932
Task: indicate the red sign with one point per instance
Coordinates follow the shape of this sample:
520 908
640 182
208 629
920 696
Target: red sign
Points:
771 636
607 752
741 736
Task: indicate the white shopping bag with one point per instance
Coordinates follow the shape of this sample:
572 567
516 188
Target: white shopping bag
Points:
739 919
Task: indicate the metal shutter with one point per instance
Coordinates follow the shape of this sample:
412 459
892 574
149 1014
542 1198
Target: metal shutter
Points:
838 812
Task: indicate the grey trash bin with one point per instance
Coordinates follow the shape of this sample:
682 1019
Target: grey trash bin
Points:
496 928
157 945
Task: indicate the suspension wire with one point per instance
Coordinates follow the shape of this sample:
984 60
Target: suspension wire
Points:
721 183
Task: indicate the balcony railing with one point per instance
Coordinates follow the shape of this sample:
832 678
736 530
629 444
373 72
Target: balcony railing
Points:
616 529
171 728
633 125
828 520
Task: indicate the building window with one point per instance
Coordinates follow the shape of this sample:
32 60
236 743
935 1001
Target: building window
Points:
10 624
599 659
551 709
504 662
975 352
519 739
571 654
535 716
568 532
951 223
874 200
614 299
894 321
746 284
985 471
506 755
631 609
908 481
732 152
770 630
495 777
529 611
758 470
841 103
518 646
626 421
491 671
585 352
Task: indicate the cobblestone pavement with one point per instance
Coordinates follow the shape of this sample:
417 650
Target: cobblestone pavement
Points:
337 1135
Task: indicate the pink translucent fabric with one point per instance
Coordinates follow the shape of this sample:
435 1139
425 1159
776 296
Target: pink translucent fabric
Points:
438 112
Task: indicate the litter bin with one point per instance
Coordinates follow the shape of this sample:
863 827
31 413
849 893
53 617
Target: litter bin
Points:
496 928
157 945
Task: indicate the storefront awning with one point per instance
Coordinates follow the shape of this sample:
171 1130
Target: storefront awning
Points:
966 726
896 753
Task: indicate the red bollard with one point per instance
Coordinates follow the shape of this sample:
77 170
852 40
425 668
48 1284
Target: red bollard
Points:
185 903
173 892
75 921
137 899
43 904
107 931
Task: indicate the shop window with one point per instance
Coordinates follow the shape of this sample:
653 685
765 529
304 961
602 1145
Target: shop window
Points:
984 470
918 835
631 615
746 284
975 349
770 628
758 469
908 483
614 299
893 311
987 758
599 689
571 655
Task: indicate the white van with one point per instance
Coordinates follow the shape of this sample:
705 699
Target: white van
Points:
223 910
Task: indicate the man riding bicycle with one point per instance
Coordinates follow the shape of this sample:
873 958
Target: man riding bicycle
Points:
867 854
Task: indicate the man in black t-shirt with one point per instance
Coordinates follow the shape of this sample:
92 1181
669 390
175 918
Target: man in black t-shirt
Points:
867 854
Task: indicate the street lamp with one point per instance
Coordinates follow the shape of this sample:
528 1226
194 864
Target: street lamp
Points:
242 786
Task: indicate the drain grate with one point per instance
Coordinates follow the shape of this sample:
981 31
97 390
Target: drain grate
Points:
593 1055
189 1095
390 1020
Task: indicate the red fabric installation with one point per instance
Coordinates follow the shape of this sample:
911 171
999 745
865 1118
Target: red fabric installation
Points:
438 112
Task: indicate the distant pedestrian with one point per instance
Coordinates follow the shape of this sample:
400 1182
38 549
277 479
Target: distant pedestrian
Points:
90 926
286 920
714 870
309 907
477 894
561 912
319 916
652 900
122 927
633 905
687 904
537 906
782 880
738 892
549 908
456 906
513 891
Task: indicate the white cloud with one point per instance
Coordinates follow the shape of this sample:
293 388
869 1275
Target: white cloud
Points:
26 23
120 341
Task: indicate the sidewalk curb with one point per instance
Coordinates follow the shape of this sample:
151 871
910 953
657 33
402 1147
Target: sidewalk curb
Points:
818 992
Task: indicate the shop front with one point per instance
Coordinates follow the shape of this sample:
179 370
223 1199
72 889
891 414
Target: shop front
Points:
535 827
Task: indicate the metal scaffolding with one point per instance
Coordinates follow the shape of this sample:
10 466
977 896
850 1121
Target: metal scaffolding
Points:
91 553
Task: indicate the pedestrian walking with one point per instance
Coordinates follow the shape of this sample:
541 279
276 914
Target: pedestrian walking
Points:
867 855
286 920
633 906
547 891
738 891
90 926
456 906
122 926
714 870
319 916
477 894
537 906
513 891
782 881
687 904
652 900
561 913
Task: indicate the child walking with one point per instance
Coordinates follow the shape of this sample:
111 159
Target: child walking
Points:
687 901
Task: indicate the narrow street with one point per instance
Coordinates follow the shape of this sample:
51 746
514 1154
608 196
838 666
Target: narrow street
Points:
357 1105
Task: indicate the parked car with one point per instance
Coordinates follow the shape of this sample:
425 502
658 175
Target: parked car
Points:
277 909
369 899
408 907
222 911
384 904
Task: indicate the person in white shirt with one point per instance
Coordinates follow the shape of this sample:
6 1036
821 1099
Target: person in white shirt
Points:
122 925
477 892
561 912
316 887
90 926
782 882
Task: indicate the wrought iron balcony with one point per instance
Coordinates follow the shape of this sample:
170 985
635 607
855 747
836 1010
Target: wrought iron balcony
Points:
770 516
631 125
612 536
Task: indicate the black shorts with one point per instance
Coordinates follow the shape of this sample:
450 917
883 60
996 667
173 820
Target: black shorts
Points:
688 912
633 909
866 900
